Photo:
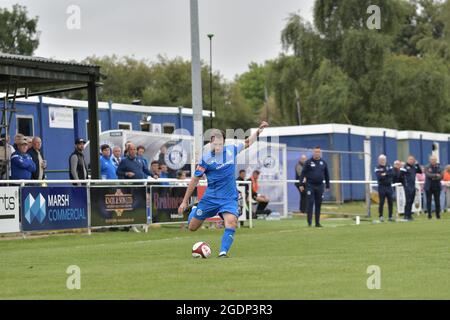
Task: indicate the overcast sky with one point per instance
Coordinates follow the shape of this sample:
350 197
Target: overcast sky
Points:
245 30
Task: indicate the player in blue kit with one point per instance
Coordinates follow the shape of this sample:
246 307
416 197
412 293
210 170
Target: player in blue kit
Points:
221 196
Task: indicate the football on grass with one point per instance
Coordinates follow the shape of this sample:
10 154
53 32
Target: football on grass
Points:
201 250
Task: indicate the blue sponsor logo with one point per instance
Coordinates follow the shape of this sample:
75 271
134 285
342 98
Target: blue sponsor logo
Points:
54 208
35 208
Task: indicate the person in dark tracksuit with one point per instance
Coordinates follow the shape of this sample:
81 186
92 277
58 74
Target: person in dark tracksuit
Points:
397 175
385 174
315 171
298 172
409 172
433 173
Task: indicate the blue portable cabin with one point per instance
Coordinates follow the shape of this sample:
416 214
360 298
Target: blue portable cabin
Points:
59 121
350 151
423 144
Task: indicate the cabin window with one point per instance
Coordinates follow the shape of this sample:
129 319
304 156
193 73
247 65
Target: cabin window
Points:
25 125
125 126
168 128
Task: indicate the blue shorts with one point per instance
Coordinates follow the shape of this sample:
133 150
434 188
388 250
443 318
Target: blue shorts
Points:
208 208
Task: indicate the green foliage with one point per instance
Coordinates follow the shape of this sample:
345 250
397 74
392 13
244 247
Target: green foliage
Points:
126 78
415 93
167 82
332 98
395 77
305 43
18 34
343 72
284 78
252 85
236 112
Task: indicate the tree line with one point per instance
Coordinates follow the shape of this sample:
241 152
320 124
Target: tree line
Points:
334 70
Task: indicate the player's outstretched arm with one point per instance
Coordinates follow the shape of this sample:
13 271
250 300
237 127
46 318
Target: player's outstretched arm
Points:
250 140
188 194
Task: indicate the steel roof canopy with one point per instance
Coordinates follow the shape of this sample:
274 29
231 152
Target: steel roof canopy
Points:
18 71
31 71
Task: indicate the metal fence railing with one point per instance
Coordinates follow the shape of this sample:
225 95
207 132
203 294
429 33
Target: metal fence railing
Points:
46 205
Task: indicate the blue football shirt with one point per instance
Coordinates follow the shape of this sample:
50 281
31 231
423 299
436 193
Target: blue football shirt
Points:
220 170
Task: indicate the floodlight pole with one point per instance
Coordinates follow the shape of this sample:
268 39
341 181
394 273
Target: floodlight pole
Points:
93 129
196 76
210 36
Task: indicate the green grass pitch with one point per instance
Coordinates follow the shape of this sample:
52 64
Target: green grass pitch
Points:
275 260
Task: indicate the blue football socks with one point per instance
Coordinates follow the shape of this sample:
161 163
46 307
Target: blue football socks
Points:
227 240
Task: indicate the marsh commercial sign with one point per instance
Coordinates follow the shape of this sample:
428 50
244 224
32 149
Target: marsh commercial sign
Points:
54 208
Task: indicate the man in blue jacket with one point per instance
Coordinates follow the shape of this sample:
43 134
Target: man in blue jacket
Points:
385 176
130 167
409 172
141 157
315 171
108 169
22 165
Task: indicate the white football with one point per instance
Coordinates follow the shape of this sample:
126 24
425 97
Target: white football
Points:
201 250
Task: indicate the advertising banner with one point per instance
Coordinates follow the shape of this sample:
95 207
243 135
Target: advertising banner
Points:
165 201
60 117
9 209
54 208
417 206
115 206
401 199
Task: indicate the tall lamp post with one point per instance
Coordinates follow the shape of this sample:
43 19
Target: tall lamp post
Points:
210 36
196 76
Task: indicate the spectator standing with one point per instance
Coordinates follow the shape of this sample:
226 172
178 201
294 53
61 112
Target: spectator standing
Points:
141 157
433 174
409 172
316 172
22 165
130 167
385 174
163 171
397 173
125 152
298 172
420 178
446 180
241 177
77 164
38 159
162 154
17 139
154 169
107 167
6 151
30 142
116 156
